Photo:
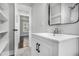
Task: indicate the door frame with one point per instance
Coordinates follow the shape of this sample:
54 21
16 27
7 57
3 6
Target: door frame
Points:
21 10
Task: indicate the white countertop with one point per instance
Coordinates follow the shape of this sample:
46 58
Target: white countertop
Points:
57 37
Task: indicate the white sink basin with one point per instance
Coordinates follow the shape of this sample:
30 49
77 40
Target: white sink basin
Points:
58 37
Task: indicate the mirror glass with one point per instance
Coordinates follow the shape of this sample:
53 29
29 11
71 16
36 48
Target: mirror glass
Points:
63 13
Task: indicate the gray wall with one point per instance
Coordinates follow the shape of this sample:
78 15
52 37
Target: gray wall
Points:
40 21
39 18
11 27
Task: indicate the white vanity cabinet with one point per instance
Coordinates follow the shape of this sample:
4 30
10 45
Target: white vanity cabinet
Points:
45 46
43 50
40 47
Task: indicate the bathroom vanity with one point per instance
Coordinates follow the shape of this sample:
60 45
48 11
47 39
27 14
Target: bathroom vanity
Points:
47 44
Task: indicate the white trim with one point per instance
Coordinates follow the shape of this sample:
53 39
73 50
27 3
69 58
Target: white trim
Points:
21 10
11 52
30 28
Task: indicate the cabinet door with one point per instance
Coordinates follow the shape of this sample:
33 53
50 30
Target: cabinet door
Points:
33 50
45 50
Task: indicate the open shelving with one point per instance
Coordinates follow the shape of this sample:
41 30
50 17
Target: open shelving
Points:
3 27
4 32
3 17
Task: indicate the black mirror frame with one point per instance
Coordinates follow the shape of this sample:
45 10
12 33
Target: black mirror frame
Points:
61 23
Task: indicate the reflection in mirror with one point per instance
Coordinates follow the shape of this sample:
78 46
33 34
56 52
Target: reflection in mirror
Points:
24 31
63 13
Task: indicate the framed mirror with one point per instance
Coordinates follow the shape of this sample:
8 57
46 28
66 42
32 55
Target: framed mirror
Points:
63 13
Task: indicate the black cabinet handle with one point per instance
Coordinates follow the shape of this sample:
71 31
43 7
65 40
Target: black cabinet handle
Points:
36 46
15 29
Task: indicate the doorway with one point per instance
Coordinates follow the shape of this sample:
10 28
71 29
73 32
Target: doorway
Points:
22 24
24 32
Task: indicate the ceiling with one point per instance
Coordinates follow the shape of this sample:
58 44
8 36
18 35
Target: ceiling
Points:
29 4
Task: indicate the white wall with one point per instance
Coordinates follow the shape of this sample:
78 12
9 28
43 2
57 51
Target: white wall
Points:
39 18
11 27
40 21
70 29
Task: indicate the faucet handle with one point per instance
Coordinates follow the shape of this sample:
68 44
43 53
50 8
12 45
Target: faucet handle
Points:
56 30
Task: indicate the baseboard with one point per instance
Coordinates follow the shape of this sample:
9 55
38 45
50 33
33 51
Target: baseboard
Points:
7 53
11 53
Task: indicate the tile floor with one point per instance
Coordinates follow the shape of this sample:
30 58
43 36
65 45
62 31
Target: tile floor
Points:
24 52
